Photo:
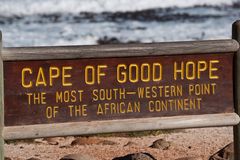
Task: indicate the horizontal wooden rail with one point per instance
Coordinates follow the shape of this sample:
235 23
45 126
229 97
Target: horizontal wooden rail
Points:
141 124
119 50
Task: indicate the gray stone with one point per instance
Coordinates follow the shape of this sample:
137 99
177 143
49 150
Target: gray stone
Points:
33 158
161 144
227 153
91 141
77 157
65 146
107 142
130 143
190 158
53 140
85 141
136 156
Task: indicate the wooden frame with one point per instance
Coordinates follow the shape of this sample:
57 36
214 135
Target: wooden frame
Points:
122 50
1 104
236 36
83 128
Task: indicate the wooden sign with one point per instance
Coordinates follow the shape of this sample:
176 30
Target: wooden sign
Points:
116 88
76 90
54 91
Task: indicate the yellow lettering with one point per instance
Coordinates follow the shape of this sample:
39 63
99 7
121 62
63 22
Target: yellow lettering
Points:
213 69
202 66
190 73
65 76
51 112
145 68
24 84
89 78
155 66
178 71
121 75
53 75
41 80
99 110
131 73
100 73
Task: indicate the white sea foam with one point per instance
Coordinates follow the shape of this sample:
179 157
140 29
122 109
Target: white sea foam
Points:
199 23
31 7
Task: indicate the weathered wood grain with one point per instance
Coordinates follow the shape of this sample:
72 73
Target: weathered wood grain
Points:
236 36
64 129
120 50
1 103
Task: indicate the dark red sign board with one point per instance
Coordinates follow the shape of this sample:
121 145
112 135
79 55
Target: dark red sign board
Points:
56 91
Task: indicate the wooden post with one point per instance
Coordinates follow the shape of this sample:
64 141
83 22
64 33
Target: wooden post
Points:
1 103
236 36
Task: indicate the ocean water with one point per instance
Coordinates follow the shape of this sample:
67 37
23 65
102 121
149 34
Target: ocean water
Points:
85 22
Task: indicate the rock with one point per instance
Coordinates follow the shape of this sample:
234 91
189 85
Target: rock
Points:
161 144
85 141
33 158
143 156
107 40
130 143
91 141
39 140
136 156
190 158
227 153
107 142
65 146
114 40
77 157
52 140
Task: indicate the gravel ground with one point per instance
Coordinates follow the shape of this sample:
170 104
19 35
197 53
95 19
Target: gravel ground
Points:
185 143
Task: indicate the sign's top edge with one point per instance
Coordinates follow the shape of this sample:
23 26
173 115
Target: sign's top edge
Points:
119 50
